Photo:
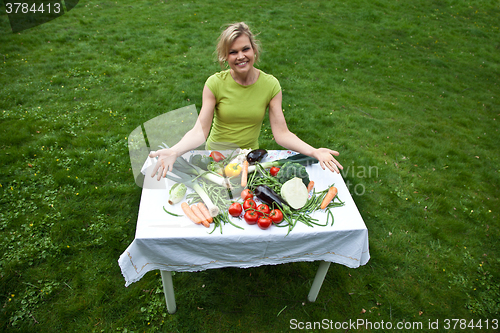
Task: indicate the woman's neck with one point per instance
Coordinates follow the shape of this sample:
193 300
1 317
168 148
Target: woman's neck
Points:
246 79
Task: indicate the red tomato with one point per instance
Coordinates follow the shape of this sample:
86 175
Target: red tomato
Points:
235 209
274 171
217 157
264 222
249 203
263 210
251 217
246 194
276 216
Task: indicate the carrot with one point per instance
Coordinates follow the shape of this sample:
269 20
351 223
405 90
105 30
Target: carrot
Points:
200 216
189 213
330 195
244 174
310 186
205 212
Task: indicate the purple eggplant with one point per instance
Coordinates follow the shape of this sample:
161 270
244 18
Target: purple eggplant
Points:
256 155
267 195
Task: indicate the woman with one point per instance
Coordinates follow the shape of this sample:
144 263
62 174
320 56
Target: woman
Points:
234 105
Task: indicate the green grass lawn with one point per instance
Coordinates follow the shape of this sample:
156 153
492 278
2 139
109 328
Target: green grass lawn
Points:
407 92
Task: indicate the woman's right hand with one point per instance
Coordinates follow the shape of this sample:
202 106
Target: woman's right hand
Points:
165 162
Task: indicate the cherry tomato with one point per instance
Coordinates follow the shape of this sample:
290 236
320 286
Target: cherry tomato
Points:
276 216
263 210
274 171
246 194
264 222
249 203
235 209
217 156
251 217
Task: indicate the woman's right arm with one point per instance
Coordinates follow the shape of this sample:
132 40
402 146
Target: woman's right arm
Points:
192 139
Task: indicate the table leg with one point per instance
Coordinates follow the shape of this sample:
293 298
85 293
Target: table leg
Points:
168 290
318 280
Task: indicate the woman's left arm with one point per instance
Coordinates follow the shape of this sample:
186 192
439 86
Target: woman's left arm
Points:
289 140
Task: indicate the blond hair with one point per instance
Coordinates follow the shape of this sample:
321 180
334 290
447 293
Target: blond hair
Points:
229 35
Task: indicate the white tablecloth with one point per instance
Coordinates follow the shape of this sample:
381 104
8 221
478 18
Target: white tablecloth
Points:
164 242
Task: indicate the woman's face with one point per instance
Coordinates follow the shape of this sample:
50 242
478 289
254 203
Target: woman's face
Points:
241 55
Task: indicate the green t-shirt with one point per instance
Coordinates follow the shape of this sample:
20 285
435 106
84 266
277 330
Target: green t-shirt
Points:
239 110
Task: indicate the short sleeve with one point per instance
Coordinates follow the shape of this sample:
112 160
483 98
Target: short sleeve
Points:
276 87
212 84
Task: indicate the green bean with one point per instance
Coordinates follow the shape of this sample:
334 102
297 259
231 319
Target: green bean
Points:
235 225
262 177
215 226
177 215
329 214
291 225
319 224
225 219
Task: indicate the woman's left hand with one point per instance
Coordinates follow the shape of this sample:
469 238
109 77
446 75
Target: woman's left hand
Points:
326 159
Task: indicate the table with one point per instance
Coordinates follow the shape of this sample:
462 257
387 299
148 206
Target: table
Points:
166 243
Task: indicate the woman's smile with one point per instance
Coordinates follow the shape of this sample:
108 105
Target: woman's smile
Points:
241 56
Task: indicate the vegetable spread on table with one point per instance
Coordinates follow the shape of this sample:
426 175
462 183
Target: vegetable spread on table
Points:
267 194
